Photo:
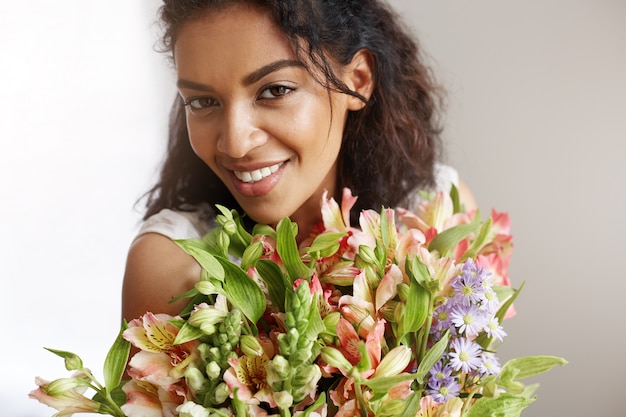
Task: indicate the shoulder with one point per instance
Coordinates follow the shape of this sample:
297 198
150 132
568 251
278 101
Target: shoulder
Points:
157 271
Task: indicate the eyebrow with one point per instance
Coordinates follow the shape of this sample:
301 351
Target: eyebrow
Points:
248 79
270 68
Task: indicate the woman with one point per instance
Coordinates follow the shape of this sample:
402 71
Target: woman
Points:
279 102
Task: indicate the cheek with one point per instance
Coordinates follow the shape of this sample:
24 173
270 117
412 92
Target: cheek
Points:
201 141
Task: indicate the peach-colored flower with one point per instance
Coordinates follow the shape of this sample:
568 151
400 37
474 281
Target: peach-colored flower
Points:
159 361
67 401
248 376
146 400
388 286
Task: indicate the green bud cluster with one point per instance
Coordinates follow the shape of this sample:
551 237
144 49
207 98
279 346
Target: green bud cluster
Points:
206 380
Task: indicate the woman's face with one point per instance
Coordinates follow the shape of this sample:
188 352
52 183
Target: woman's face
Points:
256 117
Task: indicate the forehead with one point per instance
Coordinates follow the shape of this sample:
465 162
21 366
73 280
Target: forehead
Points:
240 37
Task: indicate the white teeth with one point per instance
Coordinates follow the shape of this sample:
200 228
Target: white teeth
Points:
257 174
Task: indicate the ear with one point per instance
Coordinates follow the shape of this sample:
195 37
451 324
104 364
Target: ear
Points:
359 77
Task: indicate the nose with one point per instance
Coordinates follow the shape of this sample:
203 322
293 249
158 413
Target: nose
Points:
240 132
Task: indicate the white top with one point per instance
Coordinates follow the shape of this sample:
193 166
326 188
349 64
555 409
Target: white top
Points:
191 224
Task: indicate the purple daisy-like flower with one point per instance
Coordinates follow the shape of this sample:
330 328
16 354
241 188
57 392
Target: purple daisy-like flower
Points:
493 329
466 355
440 372
441 391
490 364
468 288
470 320
490 301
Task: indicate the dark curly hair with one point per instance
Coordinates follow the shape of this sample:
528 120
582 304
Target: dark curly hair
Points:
389 147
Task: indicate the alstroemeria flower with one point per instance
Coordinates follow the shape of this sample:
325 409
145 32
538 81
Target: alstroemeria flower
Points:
67 401
146 400
160 361
248 376
388 286
338 220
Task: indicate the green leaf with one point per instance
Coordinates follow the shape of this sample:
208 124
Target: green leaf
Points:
326 244
200 252
321 400
288 251
242 291
382 384
416 309
116 360
315 324
417 270
505 405
456 199
275 280
532 365
445 241
412 405
504 307
478 243
432 357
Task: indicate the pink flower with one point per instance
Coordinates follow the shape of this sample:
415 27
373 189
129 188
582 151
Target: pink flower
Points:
248 376
146 400
388 286
67 397
160 361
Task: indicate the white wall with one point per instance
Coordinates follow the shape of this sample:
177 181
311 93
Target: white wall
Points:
83 111
537 127
537 116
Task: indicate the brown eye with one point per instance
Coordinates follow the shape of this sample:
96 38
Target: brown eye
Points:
275 91
200 105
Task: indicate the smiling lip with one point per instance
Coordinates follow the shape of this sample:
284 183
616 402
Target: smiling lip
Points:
259 181
257 174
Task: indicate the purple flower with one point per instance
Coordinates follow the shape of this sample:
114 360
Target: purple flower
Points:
470 320
441 391
466 355
468 287
494 330
440 372
490 365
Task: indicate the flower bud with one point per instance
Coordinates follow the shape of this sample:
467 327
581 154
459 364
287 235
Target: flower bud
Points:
394 362
206 287
221 393
331 320
223 241
208 315
250 346
308 378
252 254
194 378
283 399
208 328
334 357
280 365
403 291
60 386
367 255
213 370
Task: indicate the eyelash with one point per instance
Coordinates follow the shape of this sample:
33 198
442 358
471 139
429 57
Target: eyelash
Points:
204 103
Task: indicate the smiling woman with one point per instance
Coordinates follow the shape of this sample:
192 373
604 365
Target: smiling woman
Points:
279 103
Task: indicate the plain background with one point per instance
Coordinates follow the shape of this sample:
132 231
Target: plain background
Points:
536 125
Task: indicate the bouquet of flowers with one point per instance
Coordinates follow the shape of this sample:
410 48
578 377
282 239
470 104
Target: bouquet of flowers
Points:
401 317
